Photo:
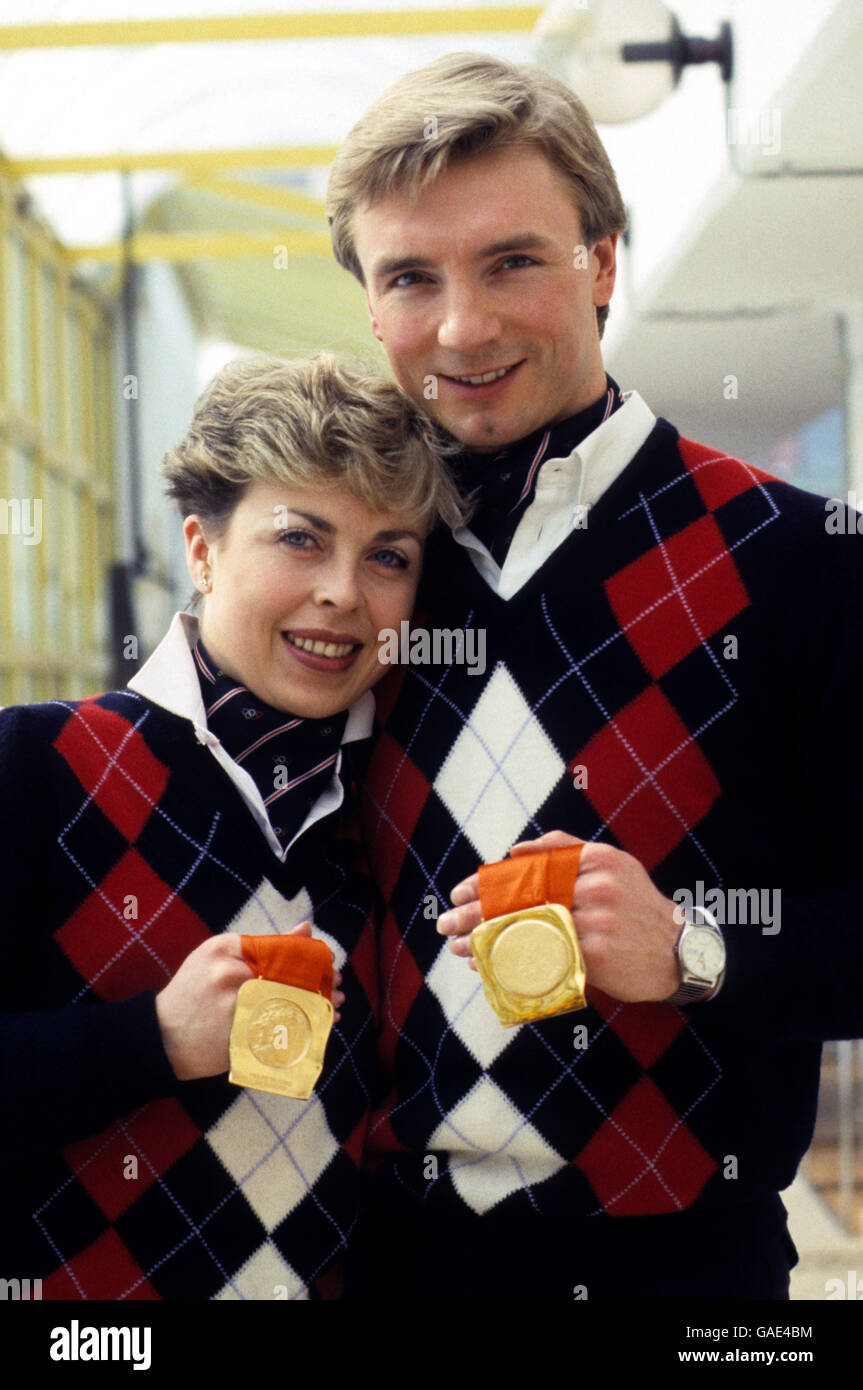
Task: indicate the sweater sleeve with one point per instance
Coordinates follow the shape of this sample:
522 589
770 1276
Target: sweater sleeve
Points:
65 1072
802 976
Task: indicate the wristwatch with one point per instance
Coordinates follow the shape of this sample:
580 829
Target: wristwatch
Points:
700 952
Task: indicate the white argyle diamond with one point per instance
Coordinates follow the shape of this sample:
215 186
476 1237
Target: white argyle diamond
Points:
493 1150
267 1275
274 1148
468 1012
266 911
500 769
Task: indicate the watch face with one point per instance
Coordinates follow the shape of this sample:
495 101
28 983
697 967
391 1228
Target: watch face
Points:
702 953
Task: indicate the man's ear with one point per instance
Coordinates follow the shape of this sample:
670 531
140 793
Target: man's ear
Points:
604 268
373 321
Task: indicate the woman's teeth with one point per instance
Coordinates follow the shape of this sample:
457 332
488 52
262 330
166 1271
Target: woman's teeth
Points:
321 648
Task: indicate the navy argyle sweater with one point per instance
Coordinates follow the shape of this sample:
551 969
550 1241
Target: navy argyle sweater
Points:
682 680
123 846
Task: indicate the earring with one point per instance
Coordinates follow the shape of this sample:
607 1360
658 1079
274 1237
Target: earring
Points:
205 582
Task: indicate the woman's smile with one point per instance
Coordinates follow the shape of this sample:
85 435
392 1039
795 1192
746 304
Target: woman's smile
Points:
301 581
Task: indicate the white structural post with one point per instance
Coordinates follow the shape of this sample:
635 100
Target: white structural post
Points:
847 1126
851 327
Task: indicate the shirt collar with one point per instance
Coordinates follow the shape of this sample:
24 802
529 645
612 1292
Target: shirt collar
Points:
169 679
565 489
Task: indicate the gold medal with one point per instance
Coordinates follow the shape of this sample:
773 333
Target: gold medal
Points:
529 960
280 1029
278 1038
530 964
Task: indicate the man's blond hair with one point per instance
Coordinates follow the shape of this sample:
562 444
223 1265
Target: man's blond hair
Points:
462 105
313 424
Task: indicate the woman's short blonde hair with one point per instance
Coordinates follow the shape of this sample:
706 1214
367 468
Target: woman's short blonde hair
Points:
316 424
461 105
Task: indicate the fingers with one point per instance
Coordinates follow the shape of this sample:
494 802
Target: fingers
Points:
304 929
462 946
337 996
459 921
465 892
553 839
465 914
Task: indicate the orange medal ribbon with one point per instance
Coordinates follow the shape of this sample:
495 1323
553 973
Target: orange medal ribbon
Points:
529 880
292 960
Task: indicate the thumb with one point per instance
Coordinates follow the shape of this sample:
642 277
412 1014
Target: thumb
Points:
304 929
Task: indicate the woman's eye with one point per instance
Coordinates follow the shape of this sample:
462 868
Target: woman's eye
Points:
392 559
297 540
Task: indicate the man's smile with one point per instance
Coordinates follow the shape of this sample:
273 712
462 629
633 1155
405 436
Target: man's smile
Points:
485 383
482 378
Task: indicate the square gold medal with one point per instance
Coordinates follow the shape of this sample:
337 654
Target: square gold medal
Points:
278 1038
530 964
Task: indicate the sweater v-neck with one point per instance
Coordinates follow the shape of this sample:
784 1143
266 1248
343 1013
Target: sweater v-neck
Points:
451 570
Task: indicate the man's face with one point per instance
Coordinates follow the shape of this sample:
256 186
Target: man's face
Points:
484 296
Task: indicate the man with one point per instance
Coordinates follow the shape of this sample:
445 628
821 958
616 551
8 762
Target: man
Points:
673 642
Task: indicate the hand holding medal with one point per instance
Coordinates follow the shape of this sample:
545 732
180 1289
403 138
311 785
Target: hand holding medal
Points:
526 948
626 929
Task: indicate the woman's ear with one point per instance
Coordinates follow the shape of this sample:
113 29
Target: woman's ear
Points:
198 558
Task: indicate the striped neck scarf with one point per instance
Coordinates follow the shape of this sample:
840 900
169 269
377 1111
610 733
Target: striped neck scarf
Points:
291 760
507 481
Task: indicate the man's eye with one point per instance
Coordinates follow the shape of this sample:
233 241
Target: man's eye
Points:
406 279
517 261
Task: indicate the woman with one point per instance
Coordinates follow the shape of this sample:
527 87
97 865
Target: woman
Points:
143 831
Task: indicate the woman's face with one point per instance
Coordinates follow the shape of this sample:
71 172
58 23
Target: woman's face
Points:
300 584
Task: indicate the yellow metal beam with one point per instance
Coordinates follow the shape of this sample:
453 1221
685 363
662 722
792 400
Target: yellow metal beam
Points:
233 28
260 195
188 161
189 246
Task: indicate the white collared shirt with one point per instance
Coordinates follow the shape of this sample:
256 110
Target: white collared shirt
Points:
565 490
170 680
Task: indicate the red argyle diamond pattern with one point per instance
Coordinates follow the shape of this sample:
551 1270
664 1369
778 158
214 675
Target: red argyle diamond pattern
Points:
382 1141
105 1270
397 793
387 690
114 766
678 595
364 962
645 1030
647 778
717 477
353 1144
643 1161
133 932
117 1167
402 983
